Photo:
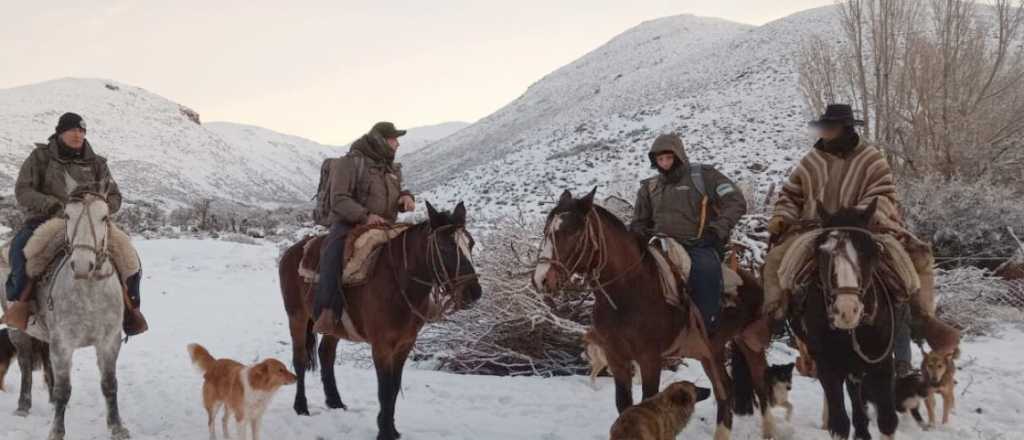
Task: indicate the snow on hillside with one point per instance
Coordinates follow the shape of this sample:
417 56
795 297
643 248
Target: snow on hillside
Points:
729 89
420 137
190 287
156 151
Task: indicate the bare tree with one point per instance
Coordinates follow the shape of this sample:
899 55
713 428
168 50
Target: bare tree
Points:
940 82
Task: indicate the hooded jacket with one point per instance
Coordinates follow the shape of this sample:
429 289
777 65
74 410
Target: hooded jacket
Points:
47 178
366 181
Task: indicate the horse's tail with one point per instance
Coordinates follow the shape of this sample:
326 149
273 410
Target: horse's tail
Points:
742 385
310 348
200 357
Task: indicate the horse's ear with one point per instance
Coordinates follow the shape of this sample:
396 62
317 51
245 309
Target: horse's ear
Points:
431 213
565 199
459 215
587 201
823 214
869 213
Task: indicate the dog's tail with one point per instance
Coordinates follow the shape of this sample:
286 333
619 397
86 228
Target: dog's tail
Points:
200 357
742 385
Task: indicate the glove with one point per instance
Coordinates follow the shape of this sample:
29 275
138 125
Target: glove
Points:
777 225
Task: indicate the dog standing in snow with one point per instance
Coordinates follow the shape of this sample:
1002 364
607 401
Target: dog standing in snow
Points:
242 391
663 416
780 382
938 370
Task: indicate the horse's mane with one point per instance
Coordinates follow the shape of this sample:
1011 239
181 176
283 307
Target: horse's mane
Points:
616 222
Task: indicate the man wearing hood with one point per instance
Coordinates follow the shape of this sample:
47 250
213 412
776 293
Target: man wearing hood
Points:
365 189
51 173
697 206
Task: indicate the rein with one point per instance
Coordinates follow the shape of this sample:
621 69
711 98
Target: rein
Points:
98 248
593 243
827 287
442 285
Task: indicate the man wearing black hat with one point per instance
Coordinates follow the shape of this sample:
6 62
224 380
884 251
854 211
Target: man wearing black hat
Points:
842 171
46 179
365 188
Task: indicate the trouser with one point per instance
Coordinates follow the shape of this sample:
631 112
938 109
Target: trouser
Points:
18 278
329 294
901 345
775 301
706 283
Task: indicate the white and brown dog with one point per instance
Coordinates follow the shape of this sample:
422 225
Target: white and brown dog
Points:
938 370
242 391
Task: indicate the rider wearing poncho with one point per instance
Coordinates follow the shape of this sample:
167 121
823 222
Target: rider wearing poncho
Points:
52 172
842 171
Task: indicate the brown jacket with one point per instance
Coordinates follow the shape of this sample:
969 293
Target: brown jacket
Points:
670 205
46 179
366 181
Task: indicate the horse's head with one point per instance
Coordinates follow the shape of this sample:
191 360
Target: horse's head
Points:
565 250
847 256
88 221
451 255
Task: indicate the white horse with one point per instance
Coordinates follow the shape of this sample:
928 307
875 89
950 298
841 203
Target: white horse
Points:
82 305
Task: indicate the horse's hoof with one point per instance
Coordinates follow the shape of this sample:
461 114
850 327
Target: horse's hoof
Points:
301 409
336 404
56 436
21 412
120 433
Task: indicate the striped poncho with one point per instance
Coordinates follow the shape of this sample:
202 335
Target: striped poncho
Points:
853 180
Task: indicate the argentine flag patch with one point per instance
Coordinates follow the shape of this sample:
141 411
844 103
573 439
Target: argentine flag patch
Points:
725 189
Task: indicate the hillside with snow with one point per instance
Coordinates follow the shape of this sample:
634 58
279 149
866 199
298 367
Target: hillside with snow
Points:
730 89
420 137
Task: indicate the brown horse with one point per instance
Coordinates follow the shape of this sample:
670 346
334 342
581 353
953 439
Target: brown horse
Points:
421 273
584 241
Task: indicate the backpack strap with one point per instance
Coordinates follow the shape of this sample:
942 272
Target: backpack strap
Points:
697 177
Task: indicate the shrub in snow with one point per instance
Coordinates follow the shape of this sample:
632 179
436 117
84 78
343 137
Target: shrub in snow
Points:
976 301
964 219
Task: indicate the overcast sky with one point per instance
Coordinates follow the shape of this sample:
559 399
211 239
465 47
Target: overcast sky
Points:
327 69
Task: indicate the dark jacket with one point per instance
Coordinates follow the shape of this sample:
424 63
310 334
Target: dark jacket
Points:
366 181
47 178
669 204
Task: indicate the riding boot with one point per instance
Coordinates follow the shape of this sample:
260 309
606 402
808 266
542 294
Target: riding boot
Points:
329 301
134 323
19 311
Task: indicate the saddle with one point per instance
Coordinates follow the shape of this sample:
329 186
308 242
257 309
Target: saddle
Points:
896 272
48 242
674 269
362 249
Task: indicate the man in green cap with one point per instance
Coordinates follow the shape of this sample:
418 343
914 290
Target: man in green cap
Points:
364 188
696 206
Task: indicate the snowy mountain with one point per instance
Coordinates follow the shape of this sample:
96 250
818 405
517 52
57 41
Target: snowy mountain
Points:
420 137
157 149
730 89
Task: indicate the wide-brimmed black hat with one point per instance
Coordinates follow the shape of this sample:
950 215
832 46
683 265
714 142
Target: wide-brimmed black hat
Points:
387 130
837 114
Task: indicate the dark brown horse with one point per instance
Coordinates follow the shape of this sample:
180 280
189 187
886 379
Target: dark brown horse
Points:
631 316
421 273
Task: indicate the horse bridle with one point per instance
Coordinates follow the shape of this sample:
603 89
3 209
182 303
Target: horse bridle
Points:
98 248
868 285
593 243
443 286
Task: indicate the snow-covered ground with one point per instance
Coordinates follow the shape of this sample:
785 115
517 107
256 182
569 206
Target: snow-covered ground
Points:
225 296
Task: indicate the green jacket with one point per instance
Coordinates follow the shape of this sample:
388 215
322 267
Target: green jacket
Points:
670 205
46 179
366 181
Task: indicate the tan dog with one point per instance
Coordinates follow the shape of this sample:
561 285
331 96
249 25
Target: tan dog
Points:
661 417
240 390
938 370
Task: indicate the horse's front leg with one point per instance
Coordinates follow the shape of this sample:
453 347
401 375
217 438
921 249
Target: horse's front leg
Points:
832 384
714 367
622 371
389 361
650 373
328 354
60 358
758 363
106 359
26 365
880 381
858 405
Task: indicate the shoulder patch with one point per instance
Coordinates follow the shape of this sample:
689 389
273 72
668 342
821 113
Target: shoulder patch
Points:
725 189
